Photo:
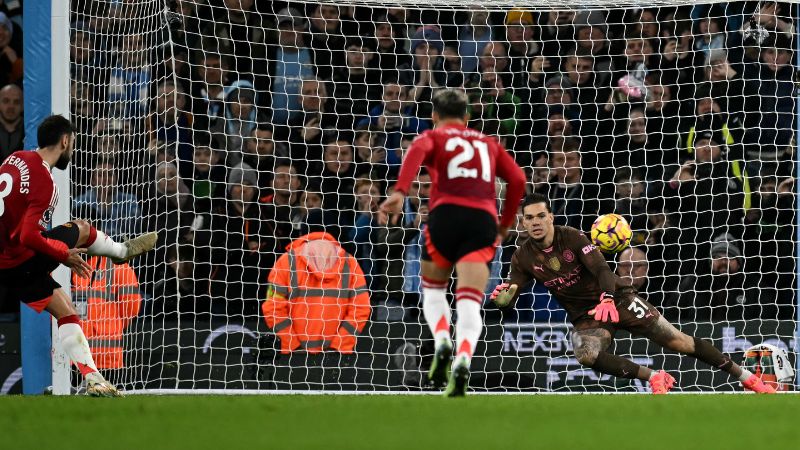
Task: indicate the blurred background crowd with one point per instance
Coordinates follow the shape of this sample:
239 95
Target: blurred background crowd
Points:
236 126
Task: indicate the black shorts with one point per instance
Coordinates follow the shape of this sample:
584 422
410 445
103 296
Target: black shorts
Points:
636 315
458 233
31 282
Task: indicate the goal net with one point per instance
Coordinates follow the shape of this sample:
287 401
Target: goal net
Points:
234 127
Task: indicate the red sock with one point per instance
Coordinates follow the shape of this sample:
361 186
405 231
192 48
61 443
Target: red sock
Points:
92 236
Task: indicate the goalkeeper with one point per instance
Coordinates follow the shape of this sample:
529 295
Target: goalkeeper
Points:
599 302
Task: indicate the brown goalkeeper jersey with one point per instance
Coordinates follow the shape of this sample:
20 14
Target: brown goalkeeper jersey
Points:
572 269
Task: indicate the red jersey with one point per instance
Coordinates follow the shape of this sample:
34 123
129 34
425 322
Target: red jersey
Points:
463 164
28 198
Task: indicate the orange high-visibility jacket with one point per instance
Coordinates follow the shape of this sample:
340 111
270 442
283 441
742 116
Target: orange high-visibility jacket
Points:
312 309
112 300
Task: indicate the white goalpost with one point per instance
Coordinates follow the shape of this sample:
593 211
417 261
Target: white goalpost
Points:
233 127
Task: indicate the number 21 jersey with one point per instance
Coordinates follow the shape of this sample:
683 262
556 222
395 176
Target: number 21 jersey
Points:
462 163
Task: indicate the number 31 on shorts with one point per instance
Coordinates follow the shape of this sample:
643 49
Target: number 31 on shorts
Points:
638 307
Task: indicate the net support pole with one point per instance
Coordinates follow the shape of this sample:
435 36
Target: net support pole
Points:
60 105
797 203
35 328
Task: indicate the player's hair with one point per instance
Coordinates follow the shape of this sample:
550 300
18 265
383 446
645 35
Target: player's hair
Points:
450 103
535 198
52 129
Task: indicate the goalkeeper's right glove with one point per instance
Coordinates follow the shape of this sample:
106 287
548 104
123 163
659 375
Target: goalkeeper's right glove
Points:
606 310
503 294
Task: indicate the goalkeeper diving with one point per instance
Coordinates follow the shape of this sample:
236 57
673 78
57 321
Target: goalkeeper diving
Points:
598 302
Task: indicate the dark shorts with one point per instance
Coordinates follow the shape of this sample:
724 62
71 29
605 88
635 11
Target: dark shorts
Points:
31 282
636 315
458 233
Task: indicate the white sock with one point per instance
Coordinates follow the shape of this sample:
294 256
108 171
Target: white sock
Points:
745 375
105 246
470 323
76 346
436 310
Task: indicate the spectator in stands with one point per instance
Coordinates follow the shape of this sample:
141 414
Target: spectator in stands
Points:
494 102
366 230
241 117
171 122
289 63
591 32
771 85
522 48
280 205
370 155
632 267
242 246
238 30
631 201
493 59
426 72
473 37
355 85
107 302
394 118
10 51
87 63
130 76
718 288
707 197
307 128
575 201
327 42
106 205
169 208
208 87
390 55
12 131
316 322
553 133
710 34
647 23
209 175
260 151
336 182
556 31
540 174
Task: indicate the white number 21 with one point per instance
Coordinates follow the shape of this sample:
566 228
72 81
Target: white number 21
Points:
454 169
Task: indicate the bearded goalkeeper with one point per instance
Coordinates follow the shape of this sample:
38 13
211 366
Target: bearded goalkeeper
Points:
598 302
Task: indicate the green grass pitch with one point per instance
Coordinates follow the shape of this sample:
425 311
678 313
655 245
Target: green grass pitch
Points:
676 422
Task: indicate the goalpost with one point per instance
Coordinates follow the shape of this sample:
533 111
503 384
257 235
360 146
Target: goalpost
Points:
601 103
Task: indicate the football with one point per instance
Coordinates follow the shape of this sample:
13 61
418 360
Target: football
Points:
611 233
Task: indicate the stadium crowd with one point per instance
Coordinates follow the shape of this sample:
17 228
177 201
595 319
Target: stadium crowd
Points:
246 124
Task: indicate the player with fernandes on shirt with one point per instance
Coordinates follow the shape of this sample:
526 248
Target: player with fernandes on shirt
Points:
29 252
462 229
599 302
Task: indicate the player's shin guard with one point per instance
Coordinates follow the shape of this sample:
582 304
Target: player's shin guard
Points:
75 344
615 365
470 323
435 308
101 245
704 351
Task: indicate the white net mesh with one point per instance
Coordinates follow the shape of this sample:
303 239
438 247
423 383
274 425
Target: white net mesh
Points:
234 127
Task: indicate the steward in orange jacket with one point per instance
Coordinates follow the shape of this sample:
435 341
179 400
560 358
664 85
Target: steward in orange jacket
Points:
111 301
318 297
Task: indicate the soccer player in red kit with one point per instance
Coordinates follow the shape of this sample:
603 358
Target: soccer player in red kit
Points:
462 230
29 252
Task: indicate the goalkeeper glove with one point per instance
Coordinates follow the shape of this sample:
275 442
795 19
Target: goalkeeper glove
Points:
503 294
606 310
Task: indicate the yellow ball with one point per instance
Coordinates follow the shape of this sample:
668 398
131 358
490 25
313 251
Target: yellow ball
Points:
611 233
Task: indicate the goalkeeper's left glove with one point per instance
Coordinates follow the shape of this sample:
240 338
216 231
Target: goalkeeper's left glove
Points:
503 294
606 310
